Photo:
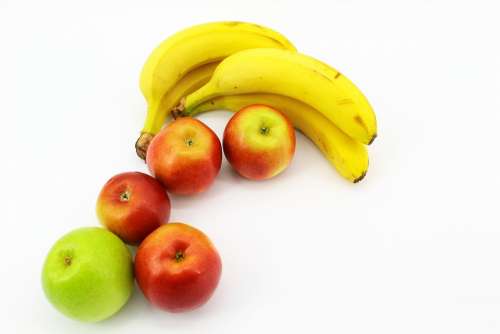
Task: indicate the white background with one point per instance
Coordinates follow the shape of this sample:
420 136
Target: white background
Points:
414 248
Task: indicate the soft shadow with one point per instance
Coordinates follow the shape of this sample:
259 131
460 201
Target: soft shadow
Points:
138 308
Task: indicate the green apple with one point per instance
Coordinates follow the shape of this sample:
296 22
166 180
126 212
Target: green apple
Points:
88 274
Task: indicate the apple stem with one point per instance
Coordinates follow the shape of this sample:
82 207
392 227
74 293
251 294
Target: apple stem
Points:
125 196
264 130
67 260
179 256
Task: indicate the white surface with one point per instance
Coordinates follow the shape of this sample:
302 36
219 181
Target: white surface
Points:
414 248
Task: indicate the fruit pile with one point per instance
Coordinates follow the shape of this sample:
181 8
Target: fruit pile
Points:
242 67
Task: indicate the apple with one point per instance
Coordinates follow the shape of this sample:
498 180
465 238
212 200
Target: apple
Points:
185 156
132 205
88 274
259 142
177 267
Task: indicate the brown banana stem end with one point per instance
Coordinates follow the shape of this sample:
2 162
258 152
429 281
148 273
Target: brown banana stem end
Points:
142 144
178 110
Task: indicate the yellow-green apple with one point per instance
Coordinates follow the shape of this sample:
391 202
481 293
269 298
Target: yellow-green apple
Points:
177 267
132 205
185 156
88 274
259 142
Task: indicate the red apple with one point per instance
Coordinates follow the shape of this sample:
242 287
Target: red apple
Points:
177 267
132 205
259 142
185 156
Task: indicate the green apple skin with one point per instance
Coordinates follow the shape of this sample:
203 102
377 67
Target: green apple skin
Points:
88 274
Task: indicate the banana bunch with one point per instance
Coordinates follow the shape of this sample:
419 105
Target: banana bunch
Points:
185 61
321 102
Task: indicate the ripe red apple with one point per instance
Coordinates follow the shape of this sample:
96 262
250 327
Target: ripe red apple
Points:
177 267
259 142
132 205
185 156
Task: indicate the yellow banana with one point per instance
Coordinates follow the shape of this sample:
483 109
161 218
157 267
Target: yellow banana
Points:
189 49
297 76
349 157
155 120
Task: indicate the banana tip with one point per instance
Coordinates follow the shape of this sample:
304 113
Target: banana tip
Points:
373 138
361 177
142 144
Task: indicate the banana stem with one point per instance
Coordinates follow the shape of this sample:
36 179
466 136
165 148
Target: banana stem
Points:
142 144
179 109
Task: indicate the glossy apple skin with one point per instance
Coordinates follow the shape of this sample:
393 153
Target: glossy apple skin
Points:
185 156
88 274
132 205
177 267
259 142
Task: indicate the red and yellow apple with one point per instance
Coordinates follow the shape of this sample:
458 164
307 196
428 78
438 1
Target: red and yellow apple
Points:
259 142
132 205
177 267
185 156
